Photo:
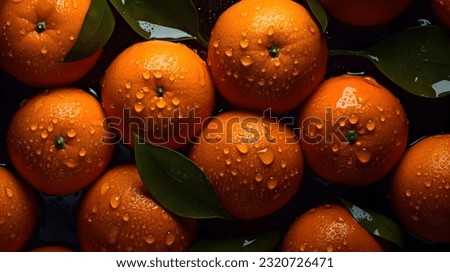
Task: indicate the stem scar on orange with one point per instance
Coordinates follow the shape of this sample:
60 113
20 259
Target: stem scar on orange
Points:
353 130
266 54
35 36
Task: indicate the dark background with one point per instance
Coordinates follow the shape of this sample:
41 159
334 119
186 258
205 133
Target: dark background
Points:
427 117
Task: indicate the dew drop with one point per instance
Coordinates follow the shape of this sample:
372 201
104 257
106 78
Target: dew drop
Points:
283 164
312 29
270 31
243 148
92 130
128 85
226 150
161 103
215 43
228 161
104 188
9 193
382 118
370 125
408 192
139 106
158 74
82 152
303 247
272 183
175 101
335 148
114 201
140 95
261 82
44 134
246 60
70 163
415 217
234 172
170 239
150 239
126 217
71 37
229 52
259 177
380 109
353 119
330 248
266 156
44 51
33 127
363 155
277 63
71 133
427 184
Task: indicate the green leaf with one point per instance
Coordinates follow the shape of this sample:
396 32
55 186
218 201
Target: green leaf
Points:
319 13
375 223
264 243
176 182
161 19
417 59
97 28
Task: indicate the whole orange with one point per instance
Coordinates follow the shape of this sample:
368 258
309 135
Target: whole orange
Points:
420 189
329 227
365 13
442 10
159 89
58 140
266 54
119 214
36 35
353 130
255 163
19 212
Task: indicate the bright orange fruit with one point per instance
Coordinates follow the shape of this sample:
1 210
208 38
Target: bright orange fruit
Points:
420 189
254 163
329 227
119 214
160 90
36 35
353 130
266 54
58 140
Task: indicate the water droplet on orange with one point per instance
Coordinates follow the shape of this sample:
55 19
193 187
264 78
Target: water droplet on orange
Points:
415 217
427 183
234 172
228 161
382 118
70 163
44 51
161 103
272 183
380 109
139 106
353 119
114 201
330 248
364 155
215 43
246 60
9 193
150 239
71 37
259 177
261 82
158 74
71 133
266 156
277 63
104 188
270 31
226 150
170 238
112 235
82 152
175 101
44 134
92 130
283 164
126 217
229 52
243 148
408 192
33 127
335 148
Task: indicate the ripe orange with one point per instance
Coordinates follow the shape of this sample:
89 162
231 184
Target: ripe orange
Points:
365 13
18 212
329 227
57 140
420 189
442 10
51 248
161 90
254 163
119 214
35 36
266 54
353 130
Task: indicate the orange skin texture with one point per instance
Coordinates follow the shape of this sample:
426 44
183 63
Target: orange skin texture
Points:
36 58
329 227
255 165
442 10
131 84
78 118
374 114
19 212
119 214
365 13
50 248
240 63
420 189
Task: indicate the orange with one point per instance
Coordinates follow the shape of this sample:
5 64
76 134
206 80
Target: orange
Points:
266 54
51 248
353 130
36 35
365 13
161 90
329 227
119 214
57 140
19 212
442 10
254 162
420 189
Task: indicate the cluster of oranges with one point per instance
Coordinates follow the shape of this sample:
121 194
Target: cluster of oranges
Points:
261 115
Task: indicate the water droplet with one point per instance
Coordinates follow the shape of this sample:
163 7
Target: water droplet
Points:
139 106
71 37
259 177
382 118
353 119
408 192
104 188
380 109
161 103
215 43
229 52
226 150
415 217
92 130
82 152
228 161
158 74
243 148
312 29
330 248
126 217
170 239
283 164
246 60
277 63
266 156
370 125
70 163
270 31
234 172
175 101
44 134
363 155
272 183
71 133
261 82
16 1
33 127
150 239
44 51
335 148
9 193
427 183
114 201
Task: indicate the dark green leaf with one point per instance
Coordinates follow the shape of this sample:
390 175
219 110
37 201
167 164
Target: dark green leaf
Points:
375 223
97 28
319 13
161 19
176 182
263 243
417 59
